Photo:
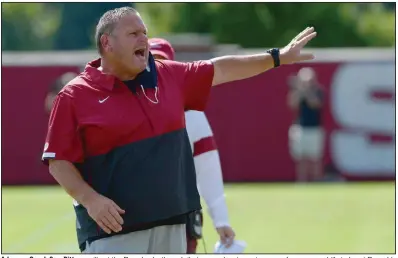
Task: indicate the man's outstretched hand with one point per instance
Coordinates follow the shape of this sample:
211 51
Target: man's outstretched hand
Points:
292 52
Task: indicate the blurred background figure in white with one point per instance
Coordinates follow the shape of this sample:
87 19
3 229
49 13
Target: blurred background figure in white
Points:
306 135
207 166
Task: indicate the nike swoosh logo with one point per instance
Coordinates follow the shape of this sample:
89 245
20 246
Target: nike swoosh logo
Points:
103 100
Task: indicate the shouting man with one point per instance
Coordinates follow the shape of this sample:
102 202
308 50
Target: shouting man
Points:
117 141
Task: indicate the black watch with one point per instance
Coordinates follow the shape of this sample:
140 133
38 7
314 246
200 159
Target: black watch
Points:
274 52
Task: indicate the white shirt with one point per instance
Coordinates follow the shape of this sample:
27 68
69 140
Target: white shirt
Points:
207 166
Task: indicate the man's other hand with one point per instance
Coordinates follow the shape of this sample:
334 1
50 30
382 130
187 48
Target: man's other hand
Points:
105 213
227 235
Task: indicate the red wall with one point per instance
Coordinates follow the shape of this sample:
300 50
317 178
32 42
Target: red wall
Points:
250 120
24 122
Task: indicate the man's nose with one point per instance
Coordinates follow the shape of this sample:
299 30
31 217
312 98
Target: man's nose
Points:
143 38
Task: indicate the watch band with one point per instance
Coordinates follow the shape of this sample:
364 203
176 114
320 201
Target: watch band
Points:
274 52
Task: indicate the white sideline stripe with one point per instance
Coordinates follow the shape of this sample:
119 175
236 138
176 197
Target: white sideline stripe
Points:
38 234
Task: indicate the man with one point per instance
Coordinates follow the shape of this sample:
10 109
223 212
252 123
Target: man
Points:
306 134
117 141
207 165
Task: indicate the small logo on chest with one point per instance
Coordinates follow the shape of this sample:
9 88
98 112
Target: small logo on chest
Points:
103 100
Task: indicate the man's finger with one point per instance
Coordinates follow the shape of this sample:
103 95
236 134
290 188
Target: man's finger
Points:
116 215
114 225
119 210
305 39
304 33
301 33
306 57
104 228
108 224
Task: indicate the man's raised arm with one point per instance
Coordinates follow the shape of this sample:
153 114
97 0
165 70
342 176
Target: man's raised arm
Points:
238 67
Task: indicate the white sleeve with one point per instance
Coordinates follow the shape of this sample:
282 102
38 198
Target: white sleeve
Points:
211 187
208 167
191 127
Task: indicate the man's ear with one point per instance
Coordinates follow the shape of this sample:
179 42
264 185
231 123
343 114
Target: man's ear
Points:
105 42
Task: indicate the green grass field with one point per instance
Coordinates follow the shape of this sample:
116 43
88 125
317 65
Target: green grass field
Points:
271 218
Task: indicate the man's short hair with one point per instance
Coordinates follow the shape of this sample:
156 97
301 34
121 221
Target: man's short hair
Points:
108 21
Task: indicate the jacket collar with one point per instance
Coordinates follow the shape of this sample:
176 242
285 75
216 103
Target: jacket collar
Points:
147 78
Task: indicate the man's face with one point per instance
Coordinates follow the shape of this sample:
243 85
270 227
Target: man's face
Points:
127 46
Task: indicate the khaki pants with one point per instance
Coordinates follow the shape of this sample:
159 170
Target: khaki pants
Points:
158 240
306 142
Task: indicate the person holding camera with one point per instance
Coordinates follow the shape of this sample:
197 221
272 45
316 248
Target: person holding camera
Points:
306 135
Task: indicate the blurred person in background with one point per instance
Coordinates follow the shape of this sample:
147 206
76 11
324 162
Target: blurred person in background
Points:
306 135
207 166
117 140
55 88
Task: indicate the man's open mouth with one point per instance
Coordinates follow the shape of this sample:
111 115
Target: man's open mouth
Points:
140 52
